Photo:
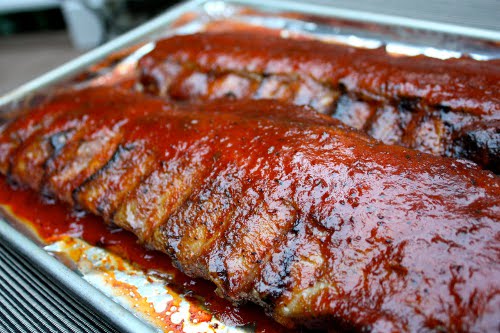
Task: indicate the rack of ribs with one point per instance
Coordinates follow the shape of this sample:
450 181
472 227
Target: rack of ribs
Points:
277 204
444 107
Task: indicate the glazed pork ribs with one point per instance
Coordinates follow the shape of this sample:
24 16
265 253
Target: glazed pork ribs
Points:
444 107
276 204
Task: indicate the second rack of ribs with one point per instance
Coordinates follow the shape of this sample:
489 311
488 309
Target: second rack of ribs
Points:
444 107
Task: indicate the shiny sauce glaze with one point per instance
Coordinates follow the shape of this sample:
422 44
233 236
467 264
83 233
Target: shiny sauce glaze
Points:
319 223
52 220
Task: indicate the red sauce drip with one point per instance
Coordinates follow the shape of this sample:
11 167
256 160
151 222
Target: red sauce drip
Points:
52 220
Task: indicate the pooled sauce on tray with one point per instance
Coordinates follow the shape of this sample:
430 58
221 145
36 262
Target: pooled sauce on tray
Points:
54 220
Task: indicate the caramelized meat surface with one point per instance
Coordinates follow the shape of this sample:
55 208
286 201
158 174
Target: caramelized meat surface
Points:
279 205
444 107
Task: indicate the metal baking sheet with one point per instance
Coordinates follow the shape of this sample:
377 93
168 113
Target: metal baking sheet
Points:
398 35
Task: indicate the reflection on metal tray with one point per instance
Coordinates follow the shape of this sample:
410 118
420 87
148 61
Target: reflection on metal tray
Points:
398 35
46 281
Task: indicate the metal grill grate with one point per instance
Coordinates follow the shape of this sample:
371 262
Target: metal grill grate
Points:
32 302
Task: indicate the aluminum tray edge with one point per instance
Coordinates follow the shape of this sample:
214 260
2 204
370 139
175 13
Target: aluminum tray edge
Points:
156 24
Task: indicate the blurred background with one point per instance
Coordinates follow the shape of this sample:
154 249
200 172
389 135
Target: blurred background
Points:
38 35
